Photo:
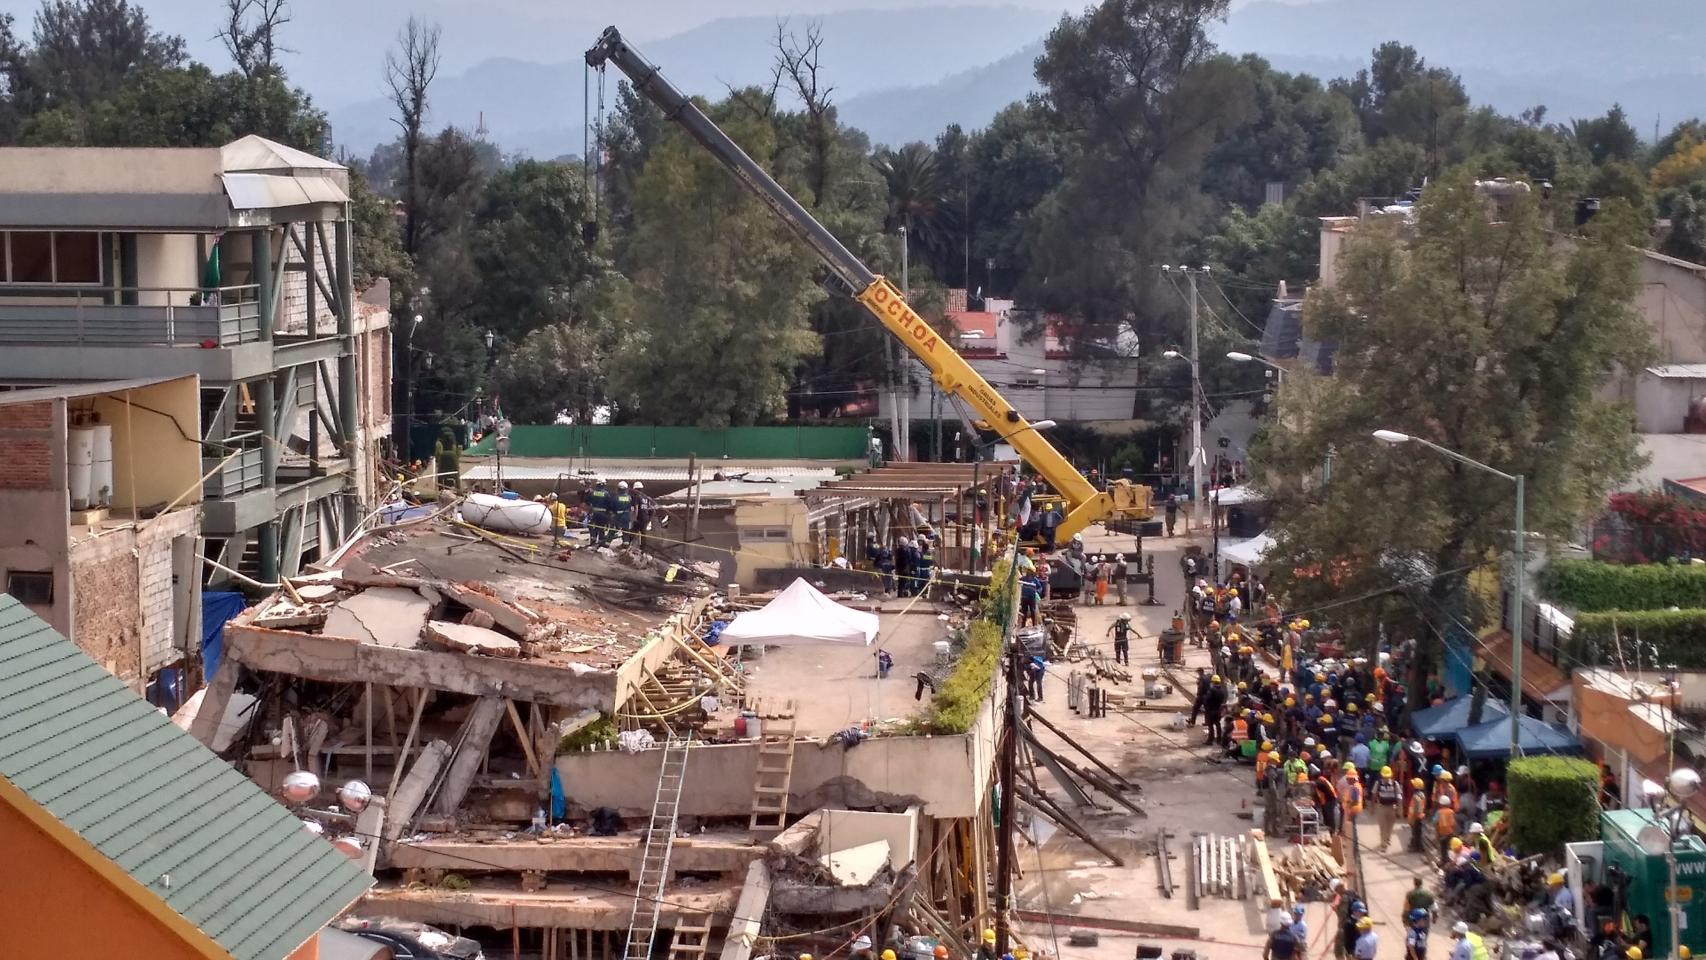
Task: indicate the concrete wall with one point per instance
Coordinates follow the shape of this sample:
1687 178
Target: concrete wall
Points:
110 170
167 260
156 456
1661 403
761 552
105 593
1673 301
844 829
944 776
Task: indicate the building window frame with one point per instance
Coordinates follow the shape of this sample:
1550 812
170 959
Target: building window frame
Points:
31 587
53 243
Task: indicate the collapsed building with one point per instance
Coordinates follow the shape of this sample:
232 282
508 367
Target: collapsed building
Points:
569 770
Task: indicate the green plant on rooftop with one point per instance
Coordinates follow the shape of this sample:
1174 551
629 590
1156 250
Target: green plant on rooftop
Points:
959 698
1592 586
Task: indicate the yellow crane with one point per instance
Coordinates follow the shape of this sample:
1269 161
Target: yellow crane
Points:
1084 504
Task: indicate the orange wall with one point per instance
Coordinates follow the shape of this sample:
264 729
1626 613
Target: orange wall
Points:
53 905
308 951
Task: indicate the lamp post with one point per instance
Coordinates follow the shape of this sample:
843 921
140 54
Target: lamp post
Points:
1242 357
1670 823
1519 556
1197 455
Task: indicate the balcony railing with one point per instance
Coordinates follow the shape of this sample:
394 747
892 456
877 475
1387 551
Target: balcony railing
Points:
239 474
130 316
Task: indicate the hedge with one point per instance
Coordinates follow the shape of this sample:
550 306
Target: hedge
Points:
1553 801
1591 586
1658 638
957 701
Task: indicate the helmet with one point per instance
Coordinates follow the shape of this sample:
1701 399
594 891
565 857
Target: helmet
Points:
1291 701
888 955
1418 913
1304 756
862 942
1326 718
989 936
1309 741
1633 953
1366 923
1683 953
639 485
1416 783
599 482
1214 679
1125 616
805 956
1242 686
1273 756
1267 718
1078 538
1475 828
1297 909
1350 708
1475 855
622 485
1436 769
1556 879
1445 776
941 952
1459 929
1359 909
1456 843
1368 698
1267 745
1386 771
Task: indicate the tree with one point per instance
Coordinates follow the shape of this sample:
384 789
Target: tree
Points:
915 195
1012 165
378 245
1685 208
1400 96
1487 337
409 72
721 291
528 247
1134 85
1684 164
562 367
89 50
1297 129
799 67
250 33
1609 137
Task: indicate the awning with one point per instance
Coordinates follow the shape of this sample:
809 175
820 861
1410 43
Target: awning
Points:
800 616
1438 723
1491 740
1247 552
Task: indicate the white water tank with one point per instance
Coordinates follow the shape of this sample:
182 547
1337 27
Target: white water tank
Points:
101 468
79 464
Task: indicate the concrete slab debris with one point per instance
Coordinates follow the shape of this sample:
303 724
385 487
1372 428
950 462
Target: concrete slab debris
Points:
384 616
465 638
856 866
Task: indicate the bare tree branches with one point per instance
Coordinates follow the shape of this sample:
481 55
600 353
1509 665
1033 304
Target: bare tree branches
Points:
409 71
798 65
250 33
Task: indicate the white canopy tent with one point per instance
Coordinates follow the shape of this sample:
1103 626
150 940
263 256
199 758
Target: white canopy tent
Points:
801 615
1247 552
1235 496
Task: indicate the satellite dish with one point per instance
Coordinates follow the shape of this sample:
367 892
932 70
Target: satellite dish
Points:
355 795
1654 840
301 786
1684 782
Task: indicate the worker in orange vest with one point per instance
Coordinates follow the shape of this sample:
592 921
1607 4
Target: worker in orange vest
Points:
1350 798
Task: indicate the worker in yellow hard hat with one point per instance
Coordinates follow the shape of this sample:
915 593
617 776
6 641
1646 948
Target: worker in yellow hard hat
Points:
1416 812
1633 953
986 949
888 955
1563 898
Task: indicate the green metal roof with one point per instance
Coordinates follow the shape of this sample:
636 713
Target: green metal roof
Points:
182 822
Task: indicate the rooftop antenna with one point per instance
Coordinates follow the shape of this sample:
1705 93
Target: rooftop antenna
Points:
480 128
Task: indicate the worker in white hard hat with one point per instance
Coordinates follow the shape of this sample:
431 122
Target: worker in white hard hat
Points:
1122 633
622 509
1119 574
643 508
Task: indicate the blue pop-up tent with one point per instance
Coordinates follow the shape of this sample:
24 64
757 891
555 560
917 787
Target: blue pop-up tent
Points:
1441 722
1492 740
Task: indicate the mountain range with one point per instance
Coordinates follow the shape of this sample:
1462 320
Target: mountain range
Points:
904 74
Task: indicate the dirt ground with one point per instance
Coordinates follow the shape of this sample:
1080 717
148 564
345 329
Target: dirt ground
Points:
1184 791
835 687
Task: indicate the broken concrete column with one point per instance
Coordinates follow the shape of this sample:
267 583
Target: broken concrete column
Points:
476 738
744 925
412 792
465 638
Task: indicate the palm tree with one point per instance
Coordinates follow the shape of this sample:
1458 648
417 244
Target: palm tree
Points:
916 191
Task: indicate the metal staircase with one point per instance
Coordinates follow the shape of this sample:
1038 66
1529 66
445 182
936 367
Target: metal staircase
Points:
774 772
654 857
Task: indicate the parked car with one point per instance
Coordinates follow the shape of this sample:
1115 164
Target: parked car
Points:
411 941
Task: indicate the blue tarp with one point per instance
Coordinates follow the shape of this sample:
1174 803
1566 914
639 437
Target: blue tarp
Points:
1441 722
403 510
1492 740
217 606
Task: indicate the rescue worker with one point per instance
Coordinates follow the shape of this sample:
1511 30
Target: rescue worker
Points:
1416 936
600 503
986 949
1350 797
1119 574
1213 706
1199 703
1367 941
643 507
1386 794
1445 822
1483 844
1122 632
882 561
923 565
622 511
559 520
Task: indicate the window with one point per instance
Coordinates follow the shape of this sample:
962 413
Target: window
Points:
43 257
31 587
763 534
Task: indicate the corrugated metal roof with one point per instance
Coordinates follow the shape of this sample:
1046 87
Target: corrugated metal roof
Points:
79 388
157 803
1679 371
271 191
255 152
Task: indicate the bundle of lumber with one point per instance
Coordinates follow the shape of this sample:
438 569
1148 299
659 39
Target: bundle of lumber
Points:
1305 866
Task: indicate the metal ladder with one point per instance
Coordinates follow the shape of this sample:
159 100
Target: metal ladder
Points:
654 857
774 772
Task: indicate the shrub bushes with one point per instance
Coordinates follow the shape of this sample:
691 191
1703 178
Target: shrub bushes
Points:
1553 801
1659 638
1591 586
960 696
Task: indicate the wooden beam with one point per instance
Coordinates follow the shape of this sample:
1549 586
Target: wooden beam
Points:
341 661
402 758
522 735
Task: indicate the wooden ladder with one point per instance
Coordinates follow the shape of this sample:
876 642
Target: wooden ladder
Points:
692 937
775 770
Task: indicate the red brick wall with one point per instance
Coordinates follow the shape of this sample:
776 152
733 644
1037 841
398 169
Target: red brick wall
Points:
109 618
26 446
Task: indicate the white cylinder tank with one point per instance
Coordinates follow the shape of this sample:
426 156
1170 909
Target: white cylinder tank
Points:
79 464
101 467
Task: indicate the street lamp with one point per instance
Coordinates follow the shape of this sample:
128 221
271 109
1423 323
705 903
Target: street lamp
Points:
1520 556
1670 823
1242 357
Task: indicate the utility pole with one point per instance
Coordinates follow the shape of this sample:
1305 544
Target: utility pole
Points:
1009 775
1198 494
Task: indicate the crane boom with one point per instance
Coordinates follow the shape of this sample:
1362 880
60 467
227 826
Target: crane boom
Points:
1084 503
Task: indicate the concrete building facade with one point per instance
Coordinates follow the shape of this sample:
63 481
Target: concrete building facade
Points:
230 264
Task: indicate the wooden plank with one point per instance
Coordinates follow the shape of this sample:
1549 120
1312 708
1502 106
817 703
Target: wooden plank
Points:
521 734
402 758
1271 890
